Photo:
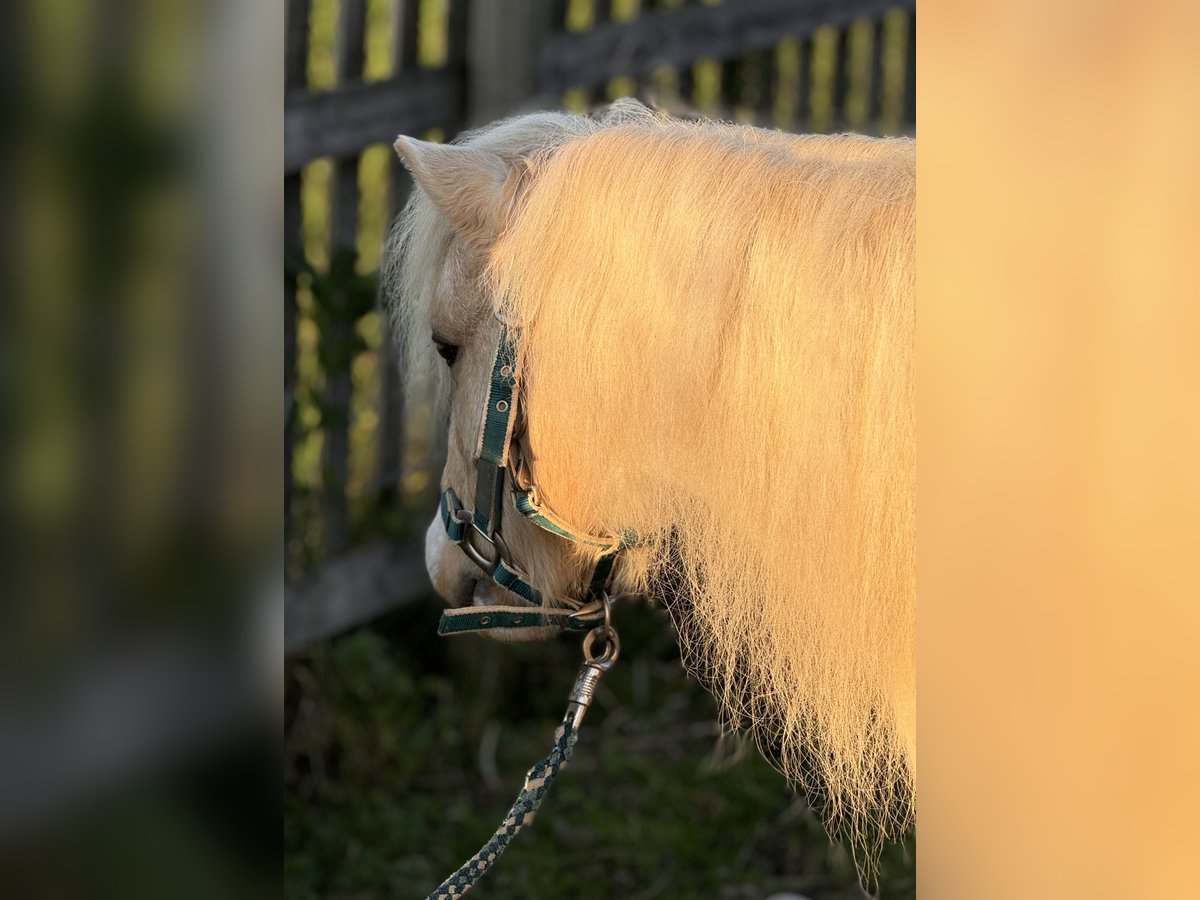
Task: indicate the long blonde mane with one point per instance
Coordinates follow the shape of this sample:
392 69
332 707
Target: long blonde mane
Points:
716 327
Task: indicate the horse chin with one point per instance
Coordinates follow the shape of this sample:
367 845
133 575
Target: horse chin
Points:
494 595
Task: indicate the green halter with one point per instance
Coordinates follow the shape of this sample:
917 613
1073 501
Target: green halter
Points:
478 532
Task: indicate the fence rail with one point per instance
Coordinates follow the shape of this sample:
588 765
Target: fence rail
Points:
677 38
343 122
353 550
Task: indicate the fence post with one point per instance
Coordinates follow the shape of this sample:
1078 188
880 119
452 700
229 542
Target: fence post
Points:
391 400
295 77
910 77
504 41
339 388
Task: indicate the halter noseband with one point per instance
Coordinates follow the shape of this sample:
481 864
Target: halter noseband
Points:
478 533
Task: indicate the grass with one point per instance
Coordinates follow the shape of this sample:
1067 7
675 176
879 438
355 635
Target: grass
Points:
403 753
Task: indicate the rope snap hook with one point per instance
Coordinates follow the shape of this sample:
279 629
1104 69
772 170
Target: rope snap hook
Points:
594 665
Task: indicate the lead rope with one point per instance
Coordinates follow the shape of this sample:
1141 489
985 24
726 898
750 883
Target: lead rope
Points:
539 778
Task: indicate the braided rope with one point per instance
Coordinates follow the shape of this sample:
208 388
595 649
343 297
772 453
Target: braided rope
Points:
537 782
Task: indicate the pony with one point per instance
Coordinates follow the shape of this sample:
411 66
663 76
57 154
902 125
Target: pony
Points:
716 330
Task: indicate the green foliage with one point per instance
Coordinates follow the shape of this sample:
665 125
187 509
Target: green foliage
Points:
341 297
403 754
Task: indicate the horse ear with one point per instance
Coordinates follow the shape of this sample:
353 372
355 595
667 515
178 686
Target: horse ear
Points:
474 189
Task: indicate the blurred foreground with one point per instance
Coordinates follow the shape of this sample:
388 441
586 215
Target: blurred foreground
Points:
140 636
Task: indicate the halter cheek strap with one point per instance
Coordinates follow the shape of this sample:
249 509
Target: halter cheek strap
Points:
478 533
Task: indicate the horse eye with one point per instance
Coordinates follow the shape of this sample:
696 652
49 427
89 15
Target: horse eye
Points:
448 352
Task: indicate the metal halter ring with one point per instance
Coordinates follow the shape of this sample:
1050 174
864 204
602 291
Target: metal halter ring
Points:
612 646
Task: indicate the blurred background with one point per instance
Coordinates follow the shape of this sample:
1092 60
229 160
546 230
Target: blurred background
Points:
402 751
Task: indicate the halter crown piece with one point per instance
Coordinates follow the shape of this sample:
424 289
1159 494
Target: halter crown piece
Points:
478 533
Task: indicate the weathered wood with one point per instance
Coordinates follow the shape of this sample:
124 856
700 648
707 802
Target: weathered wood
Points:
687 89
875 108
295 49
351 50
910 77
558 14
730 82
391 417
678 38
841 79
753 84
458 21
353 589
803 86
391 399
391 413
342 122
335 448
295 76
339 388
407 34
504 39
291 241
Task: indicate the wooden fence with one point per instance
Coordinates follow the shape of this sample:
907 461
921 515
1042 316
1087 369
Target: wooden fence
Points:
361 469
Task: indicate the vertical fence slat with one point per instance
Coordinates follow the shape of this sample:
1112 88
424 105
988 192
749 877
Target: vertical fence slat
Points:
503 39
804 84
841 79
687 90
787 79
458 20
391 362
291 242
391 394
875 110
294 77
351 48
728 90
742 73
338 383
756 86
407 22
910 68
558 14
295 61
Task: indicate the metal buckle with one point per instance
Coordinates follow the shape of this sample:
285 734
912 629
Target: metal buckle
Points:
467 520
